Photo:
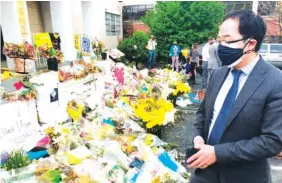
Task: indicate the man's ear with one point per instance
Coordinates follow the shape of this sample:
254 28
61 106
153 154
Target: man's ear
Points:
251 45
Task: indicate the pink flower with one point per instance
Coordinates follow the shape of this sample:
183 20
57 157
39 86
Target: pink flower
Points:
18 85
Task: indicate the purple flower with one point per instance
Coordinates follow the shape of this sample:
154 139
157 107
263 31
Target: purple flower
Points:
4 156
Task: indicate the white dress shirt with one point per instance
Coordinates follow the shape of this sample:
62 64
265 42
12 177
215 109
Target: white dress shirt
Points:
206 52
226 87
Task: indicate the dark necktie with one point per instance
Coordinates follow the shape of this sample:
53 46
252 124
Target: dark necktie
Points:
226 108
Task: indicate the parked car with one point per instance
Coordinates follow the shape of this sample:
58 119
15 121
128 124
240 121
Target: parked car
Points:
272 53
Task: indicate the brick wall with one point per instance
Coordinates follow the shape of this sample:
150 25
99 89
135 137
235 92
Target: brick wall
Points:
35 16
130 27
140 26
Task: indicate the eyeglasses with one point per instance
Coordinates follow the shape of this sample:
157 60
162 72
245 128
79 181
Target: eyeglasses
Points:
231 42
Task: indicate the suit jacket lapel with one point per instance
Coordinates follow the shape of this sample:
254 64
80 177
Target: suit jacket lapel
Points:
253 82
215 88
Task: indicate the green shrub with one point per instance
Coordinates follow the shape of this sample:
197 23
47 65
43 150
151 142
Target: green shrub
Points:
140 39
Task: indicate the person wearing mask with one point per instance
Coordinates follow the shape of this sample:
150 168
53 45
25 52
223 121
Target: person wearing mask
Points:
239 123
174 54
214 60
206 61
151 46
194 62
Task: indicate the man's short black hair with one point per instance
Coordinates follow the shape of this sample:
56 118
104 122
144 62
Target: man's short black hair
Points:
250 25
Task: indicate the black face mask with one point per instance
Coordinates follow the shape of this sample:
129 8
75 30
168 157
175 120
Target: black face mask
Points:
230 55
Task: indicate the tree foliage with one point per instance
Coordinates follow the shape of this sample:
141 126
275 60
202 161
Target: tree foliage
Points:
140 39
185 22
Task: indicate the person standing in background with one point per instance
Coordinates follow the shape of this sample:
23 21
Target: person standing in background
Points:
214 60
151 46
174 54
195 55
205 65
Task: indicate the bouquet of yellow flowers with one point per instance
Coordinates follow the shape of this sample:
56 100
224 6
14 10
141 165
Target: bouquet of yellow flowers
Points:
152 111
181 88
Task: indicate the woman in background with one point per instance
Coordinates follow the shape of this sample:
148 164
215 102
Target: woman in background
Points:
174 54
194 62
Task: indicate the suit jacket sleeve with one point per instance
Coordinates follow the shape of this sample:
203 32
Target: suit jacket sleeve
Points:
266 145
200 120
201 115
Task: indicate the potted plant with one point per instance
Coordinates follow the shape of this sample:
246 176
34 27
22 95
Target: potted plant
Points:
17 167
54 57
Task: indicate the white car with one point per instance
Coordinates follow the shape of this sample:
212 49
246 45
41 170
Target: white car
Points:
272 53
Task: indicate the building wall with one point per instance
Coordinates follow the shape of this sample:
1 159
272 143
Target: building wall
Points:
46 16
9 22
94 20
64 17
140 26
35 16
111 6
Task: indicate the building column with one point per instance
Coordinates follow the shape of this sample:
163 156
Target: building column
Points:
67 21
14 24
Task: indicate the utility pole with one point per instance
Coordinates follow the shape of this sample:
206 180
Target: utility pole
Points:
255 6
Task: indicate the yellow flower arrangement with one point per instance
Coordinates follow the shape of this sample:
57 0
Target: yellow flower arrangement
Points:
152 111
181 88
75 110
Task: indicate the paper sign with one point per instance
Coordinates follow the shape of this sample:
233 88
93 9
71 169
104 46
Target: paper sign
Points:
22 17
77 42
85 44
41 39
18 124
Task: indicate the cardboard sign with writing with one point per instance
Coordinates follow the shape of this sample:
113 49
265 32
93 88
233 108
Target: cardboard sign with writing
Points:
77 42
19 125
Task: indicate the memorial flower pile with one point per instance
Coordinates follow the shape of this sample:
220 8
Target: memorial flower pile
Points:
107 139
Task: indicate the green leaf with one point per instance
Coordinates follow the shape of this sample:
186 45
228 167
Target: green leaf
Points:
52 52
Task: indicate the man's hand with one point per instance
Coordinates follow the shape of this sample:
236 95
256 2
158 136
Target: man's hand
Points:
198 142
202 159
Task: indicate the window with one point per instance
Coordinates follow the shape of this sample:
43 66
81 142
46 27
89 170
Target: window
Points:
112 24
135 12
276 48
263 48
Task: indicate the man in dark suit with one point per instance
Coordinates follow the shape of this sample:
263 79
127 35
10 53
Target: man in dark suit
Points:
239 124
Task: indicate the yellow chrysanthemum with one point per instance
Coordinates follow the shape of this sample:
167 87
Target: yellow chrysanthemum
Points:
152 111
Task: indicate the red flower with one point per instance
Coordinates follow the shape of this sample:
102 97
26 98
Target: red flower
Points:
18 85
